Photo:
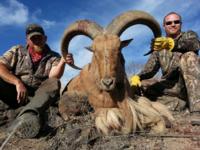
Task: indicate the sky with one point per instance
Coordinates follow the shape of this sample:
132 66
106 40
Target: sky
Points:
56 15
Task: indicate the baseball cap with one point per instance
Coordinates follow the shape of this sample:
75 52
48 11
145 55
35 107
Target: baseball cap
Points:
34 29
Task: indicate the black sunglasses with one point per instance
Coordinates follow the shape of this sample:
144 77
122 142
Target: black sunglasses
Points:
175 22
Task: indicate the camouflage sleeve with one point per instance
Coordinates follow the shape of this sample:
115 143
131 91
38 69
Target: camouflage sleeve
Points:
9 58
189 41
151 67
55 58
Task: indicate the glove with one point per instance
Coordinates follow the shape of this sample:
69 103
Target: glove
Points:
161 43
135 81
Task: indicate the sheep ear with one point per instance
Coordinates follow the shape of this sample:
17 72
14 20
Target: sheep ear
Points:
89 48
125 43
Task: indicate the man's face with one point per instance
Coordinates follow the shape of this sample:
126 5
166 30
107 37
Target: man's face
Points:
37 42
172 25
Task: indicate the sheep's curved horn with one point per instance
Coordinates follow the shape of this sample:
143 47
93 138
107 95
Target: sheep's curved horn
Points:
127 19
81 27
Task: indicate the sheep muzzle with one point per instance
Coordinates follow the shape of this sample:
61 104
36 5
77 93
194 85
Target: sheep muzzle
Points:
108 84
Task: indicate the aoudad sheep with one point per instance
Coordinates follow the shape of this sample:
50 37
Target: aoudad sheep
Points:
104 81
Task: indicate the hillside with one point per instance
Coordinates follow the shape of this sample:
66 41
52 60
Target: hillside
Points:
80 134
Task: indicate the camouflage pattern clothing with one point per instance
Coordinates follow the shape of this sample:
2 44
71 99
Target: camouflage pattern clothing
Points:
18 61
42 90
180 69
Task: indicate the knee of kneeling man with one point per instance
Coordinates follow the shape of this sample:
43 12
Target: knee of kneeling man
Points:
53 80
187 55
51 84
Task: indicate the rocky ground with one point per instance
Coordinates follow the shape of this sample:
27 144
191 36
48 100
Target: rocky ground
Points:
80 134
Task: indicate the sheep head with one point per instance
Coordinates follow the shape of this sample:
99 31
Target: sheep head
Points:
107 60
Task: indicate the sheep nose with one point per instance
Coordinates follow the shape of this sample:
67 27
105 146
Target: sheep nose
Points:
107 81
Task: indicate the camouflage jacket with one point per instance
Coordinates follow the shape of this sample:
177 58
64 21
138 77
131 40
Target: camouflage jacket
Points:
169 61
18 61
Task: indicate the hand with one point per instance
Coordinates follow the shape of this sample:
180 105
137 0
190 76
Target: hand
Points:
69 59
135 81
161 43
21 92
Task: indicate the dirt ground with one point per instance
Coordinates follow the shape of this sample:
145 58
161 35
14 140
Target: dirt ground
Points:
80 134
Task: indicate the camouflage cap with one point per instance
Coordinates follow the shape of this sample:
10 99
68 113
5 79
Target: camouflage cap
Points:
34 29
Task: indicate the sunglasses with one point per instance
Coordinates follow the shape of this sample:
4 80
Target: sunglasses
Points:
175 22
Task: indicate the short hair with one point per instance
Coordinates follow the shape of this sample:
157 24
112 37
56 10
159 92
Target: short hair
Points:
170 13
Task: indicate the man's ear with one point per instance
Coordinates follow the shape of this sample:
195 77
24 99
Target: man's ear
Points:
125 43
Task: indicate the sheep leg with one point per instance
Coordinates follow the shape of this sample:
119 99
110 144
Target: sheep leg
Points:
128 117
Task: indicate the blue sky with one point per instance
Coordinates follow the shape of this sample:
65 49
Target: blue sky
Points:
55 16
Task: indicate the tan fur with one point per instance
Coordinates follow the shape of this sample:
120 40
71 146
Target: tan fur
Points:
101 122
104 80
136 122
115 108
101 126
143 113
162 109
109 119
148 117
90 80
115 118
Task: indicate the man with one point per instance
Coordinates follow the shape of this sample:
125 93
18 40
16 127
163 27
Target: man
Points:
177 56
29 77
